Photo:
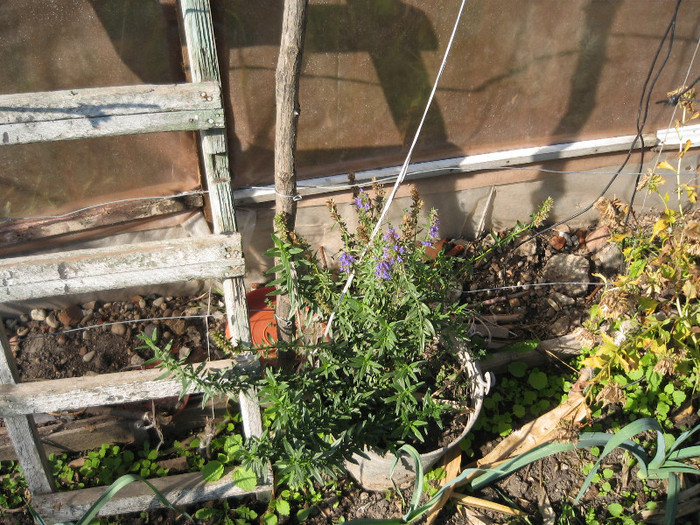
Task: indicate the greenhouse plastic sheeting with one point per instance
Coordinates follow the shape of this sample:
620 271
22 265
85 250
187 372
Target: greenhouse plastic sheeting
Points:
48 45
520 74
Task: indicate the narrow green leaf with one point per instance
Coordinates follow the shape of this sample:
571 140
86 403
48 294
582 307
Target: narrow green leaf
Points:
660 455
674 487
684 436
115 487
684 453
616 440
419 479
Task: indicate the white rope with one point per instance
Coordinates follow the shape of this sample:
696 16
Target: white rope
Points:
404 167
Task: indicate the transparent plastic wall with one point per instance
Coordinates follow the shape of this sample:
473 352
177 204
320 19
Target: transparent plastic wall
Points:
521 73
48 45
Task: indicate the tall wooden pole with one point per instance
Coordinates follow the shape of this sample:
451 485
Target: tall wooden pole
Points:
288 110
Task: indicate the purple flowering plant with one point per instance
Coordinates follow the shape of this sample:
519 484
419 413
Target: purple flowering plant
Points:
388 372
383 348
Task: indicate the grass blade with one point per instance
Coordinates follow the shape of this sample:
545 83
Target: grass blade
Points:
615 441
534 454
685 435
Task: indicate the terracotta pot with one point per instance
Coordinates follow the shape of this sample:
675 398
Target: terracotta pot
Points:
263 328
373 473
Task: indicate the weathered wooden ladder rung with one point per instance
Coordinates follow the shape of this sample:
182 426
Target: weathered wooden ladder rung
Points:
103 112
96 112
110 268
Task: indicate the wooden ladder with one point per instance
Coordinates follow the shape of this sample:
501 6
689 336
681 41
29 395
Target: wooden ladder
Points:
86 113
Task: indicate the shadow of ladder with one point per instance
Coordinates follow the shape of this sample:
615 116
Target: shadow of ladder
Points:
197 106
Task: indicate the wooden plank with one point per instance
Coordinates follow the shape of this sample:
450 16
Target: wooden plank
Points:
22 231
113 425
198 32
109 101
183 489
22 430
201 49
99 112
108 268
74 436
74 393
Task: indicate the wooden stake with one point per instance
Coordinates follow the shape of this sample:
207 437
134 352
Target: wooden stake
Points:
288 110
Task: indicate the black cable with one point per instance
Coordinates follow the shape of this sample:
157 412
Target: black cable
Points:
640 122
671 29
675 99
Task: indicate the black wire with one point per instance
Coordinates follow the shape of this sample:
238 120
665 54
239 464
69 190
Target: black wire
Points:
675 99
640 126
644 102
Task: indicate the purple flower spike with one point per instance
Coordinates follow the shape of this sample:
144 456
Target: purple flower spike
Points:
362 201
346 261
391 235
383 270
434 231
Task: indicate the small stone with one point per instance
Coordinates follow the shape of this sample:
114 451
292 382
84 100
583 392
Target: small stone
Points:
38 314
87 318
562 299
163 307
609 257
70 316
558 242
118 329
514 303
560 326
82 351
597 238
167 312
91 373
528 248
184 352
89 305
158 301
364 496
151 331
142 303
136 360
561 268
22 331
88 357
177 325
24 318
52 321
62 340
